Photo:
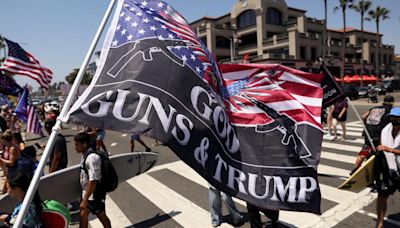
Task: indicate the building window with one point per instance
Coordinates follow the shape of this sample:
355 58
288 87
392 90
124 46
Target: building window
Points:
222 42
249 39
313 53
274 16
302 52
247 18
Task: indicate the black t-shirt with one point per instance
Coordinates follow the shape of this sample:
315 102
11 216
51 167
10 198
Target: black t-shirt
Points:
377 119
60 145
3 124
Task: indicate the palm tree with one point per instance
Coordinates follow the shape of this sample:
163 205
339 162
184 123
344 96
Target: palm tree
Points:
325 39
343 4
362 7
380 13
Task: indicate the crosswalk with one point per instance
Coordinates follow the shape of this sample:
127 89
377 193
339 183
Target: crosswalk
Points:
173 195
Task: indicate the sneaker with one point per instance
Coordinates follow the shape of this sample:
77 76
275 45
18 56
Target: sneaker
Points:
216 224
148 149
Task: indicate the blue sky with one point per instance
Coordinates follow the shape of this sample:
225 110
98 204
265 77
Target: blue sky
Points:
59 33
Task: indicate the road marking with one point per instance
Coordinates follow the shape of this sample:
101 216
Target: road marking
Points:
329 170
341 211
124 135
338 157
358 129
188 214
372 215
338 146
350 140
116 216
113 144
335 195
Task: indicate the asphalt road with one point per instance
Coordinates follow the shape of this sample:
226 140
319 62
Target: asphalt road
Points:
172 195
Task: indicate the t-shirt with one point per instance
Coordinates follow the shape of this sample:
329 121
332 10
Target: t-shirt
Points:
3 124
338 107
377 119
60 145
93 167
31 218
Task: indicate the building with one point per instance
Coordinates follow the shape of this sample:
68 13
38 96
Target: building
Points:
268 31
397 65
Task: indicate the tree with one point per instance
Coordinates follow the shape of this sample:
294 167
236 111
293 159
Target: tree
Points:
379 14
343 5
362 7
70 78
324 45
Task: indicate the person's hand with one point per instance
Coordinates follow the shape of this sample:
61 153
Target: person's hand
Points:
3 217
83 205
383 148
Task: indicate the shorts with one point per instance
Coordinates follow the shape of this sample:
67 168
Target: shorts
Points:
97 205
386 190
100 135
134 137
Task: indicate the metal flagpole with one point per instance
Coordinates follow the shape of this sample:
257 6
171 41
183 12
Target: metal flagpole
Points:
352 106
362 122
39 170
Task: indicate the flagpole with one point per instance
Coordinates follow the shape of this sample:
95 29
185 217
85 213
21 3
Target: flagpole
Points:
39 170
352 106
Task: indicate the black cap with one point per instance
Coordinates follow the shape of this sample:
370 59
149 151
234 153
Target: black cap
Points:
389 100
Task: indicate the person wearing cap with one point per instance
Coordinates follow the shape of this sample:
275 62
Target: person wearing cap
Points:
386 168
375 119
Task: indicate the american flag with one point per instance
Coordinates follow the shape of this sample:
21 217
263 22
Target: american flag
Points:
27 113
141 20
21 62
288 91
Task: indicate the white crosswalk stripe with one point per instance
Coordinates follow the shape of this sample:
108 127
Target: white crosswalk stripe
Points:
188 214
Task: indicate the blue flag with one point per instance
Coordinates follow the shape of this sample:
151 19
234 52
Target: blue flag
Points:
26 112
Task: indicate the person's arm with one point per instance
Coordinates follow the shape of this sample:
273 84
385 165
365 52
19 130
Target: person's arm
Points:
365 116
56 160
388 149
344 110
13 157
3 218
91 185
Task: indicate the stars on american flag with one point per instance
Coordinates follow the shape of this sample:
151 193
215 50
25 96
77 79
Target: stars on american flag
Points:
140 20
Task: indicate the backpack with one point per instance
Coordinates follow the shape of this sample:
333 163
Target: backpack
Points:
109 177
54 214
24 164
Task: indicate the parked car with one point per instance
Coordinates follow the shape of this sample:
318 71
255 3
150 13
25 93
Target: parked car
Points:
391 85
350 91
363 92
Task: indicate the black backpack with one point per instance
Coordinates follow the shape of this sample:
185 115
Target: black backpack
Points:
109 177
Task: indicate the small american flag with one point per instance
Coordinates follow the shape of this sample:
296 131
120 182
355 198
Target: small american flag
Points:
21 62
27 113
288 91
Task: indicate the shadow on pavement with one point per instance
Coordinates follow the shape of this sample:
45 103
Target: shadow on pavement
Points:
155 220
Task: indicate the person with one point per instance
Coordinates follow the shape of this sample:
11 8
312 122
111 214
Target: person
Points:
58 156
18 185
11 154
100 135
375 119
255 218
214 199
93 197
329 120
386 167
136 137
18 141
339 115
